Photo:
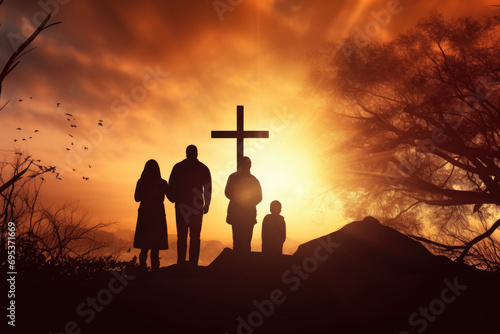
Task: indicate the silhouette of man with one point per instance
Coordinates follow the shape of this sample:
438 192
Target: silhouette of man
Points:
244 193
191 190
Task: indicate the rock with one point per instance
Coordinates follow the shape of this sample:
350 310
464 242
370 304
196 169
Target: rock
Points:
370 245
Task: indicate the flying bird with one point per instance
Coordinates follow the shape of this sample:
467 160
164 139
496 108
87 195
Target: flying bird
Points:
36 131
15 140
68 119
70 115
72 143
20 100
58 103
85 178
18 129
90 166
100 124
85 148
74 170
70 135
24 139
73 126
67 149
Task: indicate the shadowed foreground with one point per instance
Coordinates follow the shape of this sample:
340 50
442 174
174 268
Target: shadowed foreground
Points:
364 278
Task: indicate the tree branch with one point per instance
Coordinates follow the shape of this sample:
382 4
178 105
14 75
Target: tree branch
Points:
13 61
14 179
477 239
446 247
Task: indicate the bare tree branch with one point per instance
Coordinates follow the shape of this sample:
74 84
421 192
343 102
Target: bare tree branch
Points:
431 99
13 61
477 239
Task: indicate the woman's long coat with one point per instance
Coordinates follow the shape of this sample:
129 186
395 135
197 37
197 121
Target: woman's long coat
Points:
151 229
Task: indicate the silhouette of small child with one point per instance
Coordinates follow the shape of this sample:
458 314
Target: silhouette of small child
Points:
273 231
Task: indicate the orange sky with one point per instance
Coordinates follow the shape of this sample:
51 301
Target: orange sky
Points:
98 65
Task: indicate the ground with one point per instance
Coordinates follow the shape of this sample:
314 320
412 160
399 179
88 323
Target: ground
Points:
364 278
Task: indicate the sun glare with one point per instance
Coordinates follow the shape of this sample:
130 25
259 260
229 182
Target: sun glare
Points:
291 175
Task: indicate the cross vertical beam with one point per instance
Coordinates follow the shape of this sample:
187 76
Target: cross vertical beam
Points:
240 134
239 139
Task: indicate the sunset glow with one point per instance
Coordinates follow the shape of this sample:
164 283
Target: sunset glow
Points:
144 80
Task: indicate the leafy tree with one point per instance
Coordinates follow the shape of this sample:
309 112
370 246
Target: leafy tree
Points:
422 114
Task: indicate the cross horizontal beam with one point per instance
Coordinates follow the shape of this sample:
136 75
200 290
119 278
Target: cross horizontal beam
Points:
237 134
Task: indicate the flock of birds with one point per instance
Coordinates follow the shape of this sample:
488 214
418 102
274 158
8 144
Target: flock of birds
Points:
72 120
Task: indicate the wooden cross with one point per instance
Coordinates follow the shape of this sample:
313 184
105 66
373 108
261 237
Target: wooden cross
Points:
240 134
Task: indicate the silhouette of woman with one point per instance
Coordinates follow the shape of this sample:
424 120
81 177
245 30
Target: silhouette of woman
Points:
151 229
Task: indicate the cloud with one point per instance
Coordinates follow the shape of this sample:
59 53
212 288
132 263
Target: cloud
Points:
102 51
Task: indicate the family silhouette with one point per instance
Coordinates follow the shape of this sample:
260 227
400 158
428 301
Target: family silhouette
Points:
190 188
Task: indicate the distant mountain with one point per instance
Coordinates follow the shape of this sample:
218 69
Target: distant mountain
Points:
125 234
209 249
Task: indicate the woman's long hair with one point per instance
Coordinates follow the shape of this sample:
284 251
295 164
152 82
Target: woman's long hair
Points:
151 171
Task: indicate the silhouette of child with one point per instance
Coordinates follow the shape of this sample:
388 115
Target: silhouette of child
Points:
273 231
151 229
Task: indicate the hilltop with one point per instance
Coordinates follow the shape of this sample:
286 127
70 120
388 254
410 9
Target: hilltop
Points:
363 278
